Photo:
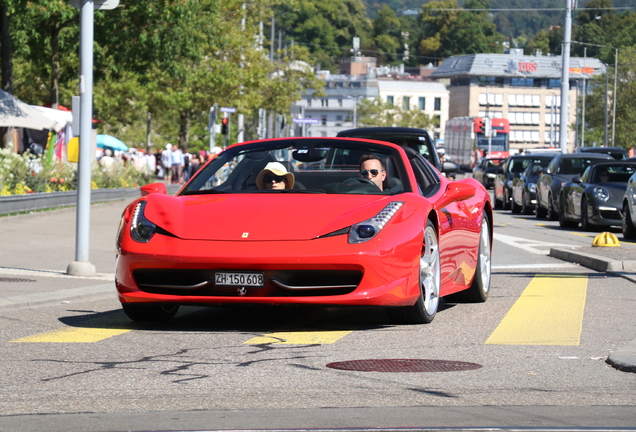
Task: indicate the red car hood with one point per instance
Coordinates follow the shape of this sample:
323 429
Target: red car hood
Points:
259 217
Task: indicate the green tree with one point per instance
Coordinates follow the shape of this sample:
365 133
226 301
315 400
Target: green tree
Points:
387 34
450 32
45 34
325 27
595 105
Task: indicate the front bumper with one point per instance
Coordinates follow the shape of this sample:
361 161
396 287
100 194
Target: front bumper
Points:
320 271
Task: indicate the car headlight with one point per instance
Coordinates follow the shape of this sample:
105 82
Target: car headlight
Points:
532 187
141 229
601 193
365 231
491 175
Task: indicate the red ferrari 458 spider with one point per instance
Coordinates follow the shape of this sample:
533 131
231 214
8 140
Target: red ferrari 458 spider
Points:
329 221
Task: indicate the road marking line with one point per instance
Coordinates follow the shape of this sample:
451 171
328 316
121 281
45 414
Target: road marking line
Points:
580 234
533 266
90 331
548 312
526 244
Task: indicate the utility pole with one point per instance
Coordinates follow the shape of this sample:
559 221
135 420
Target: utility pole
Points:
565 78
241 119
614 96
148 119
81 266
583 107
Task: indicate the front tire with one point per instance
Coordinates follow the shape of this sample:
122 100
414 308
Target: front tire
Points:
540 212
563 222
586 225
514 207
551 213
629 230
525 205
425 308
150 312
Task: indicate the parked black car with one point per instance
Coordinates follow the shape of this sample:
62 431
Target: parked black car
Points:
486 171
595 199
524 187
617 153
417 139
515 164
560 171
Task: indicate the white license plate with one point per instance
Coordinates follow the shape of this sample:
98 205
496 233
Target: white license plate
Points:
239 279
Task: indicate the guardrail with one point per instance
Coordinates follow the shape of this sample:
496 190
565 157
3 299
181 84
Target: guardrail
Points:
41 201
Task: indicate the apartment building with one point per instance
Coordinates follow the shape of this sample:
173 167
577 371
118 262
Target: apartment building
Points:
524 89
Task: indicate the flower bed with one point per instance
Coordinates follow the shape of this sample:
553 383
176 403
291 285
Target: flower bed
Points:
26 174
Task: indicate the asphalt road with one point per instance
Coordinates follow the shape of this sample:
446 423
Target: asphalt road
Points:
77 363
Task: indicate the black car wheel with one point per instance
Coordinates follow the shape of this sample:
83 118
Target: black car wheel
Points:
525 205
586 225
551 213
506 201
540 211
563 222
629 230
514 207
498 202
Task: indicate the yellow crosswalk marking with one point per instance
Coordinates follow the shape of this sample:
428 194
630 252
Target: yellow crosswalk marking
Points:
548 312
90 331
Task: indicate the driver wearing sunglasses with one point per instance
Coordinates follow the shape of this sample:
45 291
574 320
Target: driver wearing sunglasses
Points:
372 168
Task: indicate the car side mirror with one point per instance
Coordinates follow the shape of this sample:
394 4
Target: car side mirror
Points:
450 167
457 191
153 188
576 179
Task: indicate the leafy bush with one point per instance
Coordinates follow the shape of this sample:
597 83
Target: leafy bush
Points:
23 174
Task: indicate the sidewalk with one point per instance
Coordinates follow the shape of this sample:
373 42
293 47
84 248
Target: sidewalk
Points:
38 247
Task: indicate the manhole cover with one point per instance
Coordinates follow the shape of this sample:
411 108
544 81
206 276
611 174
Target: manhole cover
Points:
404 365
8 279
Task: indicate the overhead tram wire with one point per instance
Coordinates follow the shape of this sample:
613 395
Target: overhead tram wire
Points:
522 9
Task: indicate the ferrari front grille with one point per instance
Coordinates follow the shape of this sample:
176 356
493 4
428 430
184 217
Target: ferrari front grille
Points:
278 283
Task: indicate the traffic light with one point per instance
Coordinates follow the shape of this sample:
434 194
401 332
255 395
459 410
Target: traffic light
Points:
224 125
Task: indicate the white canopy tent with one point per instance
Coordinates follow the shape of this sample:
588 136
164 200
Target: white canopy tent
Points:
15 113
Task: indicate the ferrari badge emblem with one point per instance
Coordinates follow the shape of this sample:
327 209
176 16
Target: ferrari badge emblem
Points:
245 235
242 291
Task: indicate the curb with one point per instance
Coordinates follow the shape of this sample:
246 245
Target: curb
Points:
593 261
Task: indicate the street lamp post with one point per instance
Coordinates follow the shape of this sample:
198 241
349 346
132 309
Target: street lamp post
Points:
355 109
565 78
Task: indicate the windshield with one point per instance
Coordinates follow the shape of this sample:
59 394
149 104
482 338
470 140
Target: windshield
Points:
497 143
306 165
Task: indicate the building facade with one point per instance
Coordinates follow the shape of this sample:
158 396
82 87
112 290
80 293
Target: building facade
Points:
524 89
337 110
415 94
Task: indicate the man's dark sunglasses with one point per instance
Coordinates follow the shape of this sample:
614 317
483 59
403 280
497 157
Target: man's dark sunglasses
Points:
277 179
365 173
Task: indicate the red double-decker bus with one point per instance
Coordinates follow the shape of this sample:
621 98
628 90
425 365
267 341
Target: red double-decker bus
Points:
466 137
